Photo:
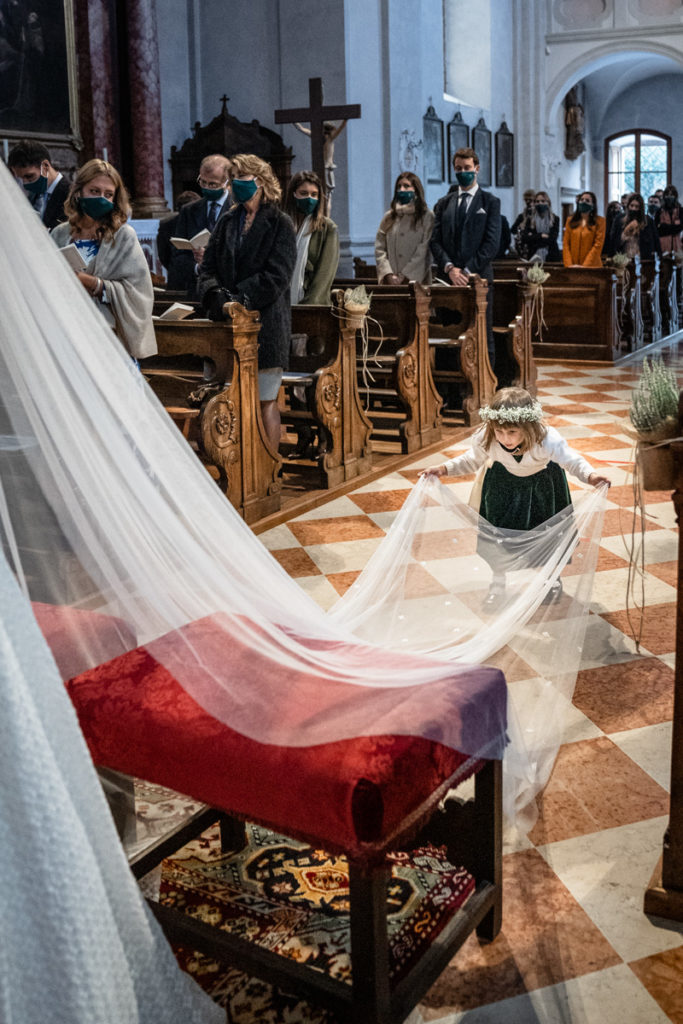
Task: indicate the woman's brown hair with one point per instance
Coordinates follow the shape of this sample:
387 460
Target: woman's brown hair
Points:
109 225
419 201
576 219
318 218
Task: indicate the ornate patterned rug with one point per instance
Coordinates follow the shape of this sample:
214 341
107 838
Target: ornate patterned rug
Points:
293 899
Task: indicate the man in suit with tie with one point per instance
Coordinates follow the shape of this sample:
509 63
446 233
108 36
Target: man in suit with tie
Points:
45 187
466 233
203 213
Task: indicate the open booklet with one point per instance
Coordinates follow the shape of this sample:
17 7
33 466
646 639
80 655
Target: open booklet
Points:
73 257
198 241
178 311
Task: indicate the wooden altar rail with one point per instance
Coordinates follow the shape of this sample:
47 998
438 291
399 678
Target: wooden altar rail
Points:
228 428
664 895
327 374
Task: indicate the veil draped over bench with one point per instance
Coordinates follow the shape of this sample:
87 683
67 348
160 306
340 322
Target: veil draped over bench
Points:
105 511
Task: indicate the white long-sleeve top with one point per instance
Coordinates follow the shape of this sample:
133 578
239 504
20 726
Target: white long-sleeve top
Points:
553 448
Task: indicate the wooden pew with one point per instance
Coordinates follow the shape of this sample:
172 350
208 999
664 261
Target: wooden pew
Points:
580 311
230 434
512 325
649 295
363 271
669 283
629 307
402 402
467 336
327 373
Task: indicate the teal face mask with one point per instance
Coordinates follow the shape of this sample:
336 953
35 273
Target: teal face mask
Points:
584 207
37 187
465 178
405 197
96 207
306 204
214 195
243 191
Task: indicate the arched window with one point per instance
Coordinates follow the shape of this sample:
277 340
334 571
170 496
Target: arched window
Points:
636 161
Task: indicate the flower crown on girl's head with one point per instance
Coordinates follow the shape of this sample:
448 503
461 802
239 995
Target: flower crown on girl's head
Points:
513 414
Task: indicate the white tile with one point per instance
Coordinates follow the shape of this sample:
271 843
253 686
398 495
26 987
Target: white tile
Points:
663 513
279 537
668 659
392 482
343 555
319 589
339 507
609 593
649 747
611 996
607 873
660 545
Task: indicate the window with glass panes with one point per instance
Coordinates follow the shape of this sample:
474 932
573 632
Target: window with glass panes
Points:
636 161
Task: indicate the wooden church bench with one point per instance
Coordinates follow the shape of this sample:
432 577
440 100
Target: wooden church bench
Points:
361 797
229 431
512 323
402 401
649 296
629 308
326 372
669 290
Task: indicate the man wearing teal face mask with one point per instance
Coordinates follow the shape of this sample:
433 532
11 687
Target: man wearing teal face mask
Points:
45 187
204 213
466 232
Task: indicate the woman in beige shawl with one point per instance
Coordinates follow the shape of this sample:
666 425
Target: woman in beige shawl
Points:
116 274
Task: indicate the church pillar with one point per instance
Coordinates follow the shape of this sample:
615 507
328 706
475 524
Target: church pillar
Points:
96 95
145 109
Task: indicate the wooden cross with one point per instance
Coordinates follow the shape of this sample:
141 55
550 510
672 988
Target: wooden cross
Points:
316 115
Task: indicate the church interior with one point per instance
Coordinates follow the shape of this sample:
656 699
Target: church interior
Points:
568 99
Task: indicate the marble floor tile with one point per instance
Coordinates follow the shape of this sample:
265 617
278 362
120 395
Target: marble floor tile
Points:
339 507
380 501
610 590
630 695
659 626
546 938
343 556
660 545
332 531
649 747
621 521
662 976
607 874
594 786
320 590
384 483
609 996
279 537
341 581
602 443
296 561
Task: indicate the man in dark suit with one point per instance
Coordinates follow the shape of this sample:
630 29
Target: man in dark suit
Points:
45 187
185 265
466 233
167 228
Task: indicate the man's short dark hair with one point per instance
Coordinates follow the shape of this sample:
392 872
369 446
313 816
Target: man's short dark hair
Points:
27 153
466 154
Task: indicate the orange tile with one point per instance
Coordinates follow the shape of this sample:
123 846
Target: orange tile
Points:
564 408
626 696
662 976
595 786
341 581
667 571
659 626
623 496
380 501
296 562
443 544
546 938
620 521
598 444
330 531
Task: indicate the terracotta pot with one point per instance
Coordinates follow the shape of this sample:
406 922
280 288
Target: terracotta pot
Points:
656 466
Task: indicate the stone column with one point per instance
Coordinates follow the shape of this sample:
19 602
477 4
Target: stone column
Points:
96 94
145 107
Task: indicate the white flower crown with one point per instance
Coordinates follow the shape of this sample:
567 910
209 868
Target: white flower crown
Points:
513 414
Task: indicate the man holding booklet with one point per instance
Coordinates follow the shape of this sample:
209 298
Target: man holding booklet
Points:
195 223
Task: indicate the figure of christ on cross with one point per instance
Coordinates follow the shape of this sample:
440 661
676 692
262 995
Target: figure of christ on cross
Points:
322 132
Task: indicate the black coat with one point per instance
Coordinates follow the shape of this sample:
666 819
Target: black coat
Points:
529 241
476 245
53 214
257 268
192 219
648 239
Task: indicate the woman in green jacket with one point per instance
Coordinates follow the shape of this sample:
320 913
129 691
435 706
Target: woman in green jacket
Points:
317 241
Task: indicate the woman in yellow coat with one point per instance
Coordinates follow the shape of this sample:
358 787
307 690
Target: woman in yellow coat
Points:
584 234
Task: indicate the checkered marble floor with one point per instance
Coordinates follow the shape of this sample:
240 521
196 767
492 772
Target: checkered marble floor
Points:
575 944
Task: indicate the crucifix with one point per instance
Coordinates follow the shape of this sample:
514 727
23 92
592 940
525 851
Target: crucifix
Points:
322 133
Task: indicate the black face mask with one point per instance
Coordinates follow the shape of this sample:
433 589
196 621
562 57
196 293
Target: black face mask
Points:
632 215
669 202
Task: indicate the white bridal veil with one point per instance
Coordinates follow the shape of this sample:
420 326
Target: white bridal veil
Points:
104 508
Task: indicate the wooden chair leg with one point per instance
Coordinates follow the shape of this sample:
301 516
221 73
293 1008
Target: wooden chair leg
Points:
369 943
489 802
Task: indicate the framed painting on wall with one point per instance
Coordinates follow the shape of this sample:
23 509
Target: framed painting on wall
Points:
481 144
432 132
458 138
505 157
38 87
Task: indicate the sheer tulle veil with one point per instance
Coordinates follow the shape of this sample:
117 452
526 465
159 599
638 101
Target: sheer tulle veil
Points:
104 508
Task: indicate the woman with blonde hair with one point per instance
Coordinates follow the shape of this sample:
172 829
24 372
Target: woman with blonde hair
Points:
116 273
402 244
250 258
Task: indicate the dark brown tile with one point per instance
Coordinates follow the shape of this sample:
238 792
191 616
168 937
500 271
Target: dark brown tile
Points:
341 581
659 626
380 501
621 521
296 562
626 696
667 571
662 976
333 530
595 786
546 938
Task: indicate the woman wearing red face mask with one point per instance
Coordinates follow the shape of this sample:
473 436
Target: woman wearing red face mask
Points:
116 273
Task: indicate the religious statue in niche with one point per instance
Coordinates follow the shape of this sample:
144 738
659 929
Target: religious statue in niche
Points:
330 133
574 144
409 149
